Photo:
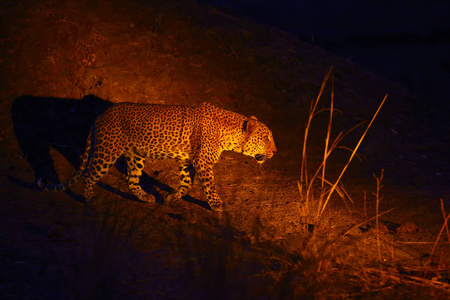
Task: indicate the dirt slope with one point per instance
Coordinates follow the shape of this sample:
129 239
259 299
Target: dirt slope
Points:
64 62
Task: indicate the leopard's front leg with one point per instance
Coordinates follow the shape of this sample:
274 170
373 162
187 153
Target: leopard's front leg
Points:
187 174
206 176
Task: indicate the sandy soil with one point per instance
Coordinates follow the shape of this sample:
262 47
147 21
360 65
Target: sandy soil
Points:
64 62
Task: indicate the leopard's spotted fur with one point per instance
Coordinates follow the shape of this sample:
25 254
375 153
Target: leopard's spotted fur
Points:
190 135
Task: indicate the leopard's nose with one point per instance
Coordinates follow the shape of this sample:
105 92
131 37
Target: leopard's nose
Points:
273 148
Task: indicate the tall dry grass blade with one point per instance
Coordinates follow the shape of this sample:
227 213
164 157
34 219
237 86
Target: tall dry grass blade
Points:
377 223
445 225
321 210
327 139
303 170
303 208
326 155
443 213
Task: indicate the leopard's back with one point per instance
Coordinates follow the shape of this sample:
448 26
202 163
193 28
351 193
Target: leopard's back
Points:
155 130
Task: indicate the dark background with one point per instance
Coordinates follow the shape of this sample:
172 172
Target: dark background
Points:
405 41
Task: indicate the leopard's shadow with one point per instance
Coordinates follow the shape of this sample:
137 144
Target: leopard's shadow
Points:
42 123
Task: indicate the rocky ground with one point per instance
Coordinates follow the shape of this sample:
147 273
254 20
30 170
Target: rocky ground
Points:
64 62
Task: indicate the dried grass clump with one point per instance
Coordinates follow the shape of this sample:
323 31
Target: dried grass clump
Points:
320 250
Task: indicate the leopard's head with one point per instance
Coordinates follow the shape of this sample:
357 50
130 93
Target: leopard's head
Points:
258 140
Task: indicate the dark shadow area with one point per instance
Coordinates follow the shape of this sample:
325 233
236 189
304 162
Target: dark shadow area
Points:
42 123
33 186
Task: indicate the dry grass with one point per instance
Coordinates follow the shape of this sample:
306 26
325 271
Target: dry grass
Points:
323 251
306 182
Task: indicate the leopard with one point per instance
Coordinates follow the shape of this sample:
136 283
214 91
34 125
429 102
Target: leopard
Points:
194 136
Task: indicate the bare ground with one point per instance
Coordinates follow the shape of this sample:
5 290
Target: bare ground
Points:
64 62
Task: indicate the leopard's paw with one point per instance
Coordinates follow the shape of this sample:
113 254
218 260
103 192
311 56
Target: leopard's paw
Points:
171 196
216 206
148 198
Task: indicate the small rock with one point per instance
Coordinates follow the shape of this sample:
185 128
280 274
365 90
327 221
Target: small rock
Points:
408 228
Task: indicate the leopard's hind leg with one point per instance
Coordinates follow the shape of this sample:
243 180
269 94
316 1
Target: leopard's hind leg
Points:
97 168
135 165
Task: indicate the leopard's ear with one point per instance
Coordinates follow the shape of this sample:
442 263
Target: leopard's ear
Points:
250 125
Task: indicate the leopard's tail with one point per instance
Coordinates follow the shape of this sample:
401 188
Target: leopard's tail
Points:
48 186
